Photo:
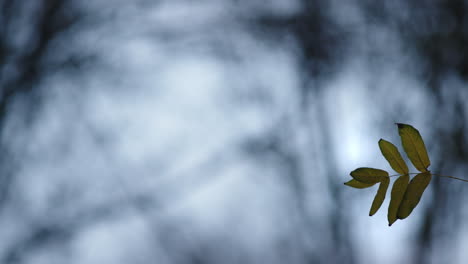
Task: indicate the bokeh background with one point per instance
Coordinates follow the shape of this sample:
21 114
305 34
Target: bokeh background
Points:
210 131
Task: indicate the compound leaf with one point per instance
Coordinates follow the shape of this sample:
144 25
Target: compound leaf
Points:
393 156
379 196
413 194
357 184
414 147
397 194
369 175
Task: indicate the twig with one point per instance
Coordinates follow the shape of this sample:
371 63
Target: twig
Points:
434 174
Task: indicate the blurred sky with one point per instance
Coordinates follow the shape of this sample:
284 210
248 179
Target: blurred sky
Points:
143 153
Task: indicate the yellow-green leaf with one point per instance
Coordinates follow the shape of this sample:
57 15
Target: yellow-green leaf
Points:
413 194
397 194
393 156
379 196
357 184
414 147
369 175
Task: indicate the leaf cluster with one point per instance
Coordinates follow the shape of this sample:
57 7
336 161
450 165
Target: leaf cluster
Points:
405 193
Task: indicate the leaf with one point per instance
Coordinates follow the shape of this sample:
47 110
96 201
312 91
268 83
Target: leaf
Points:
397 194
369 175
393 156
379 196
357 184
413 194
414 147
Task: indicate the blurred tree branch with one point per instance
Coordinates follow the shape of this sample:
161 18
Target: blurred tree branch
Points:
26 32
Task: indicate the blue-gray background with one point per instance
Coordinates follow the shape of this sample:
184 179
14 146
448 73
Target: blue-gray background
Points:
209 131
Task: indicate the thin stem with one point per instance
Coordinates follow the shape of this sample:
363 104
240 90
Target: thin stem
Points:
445 176
434 174
395 175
